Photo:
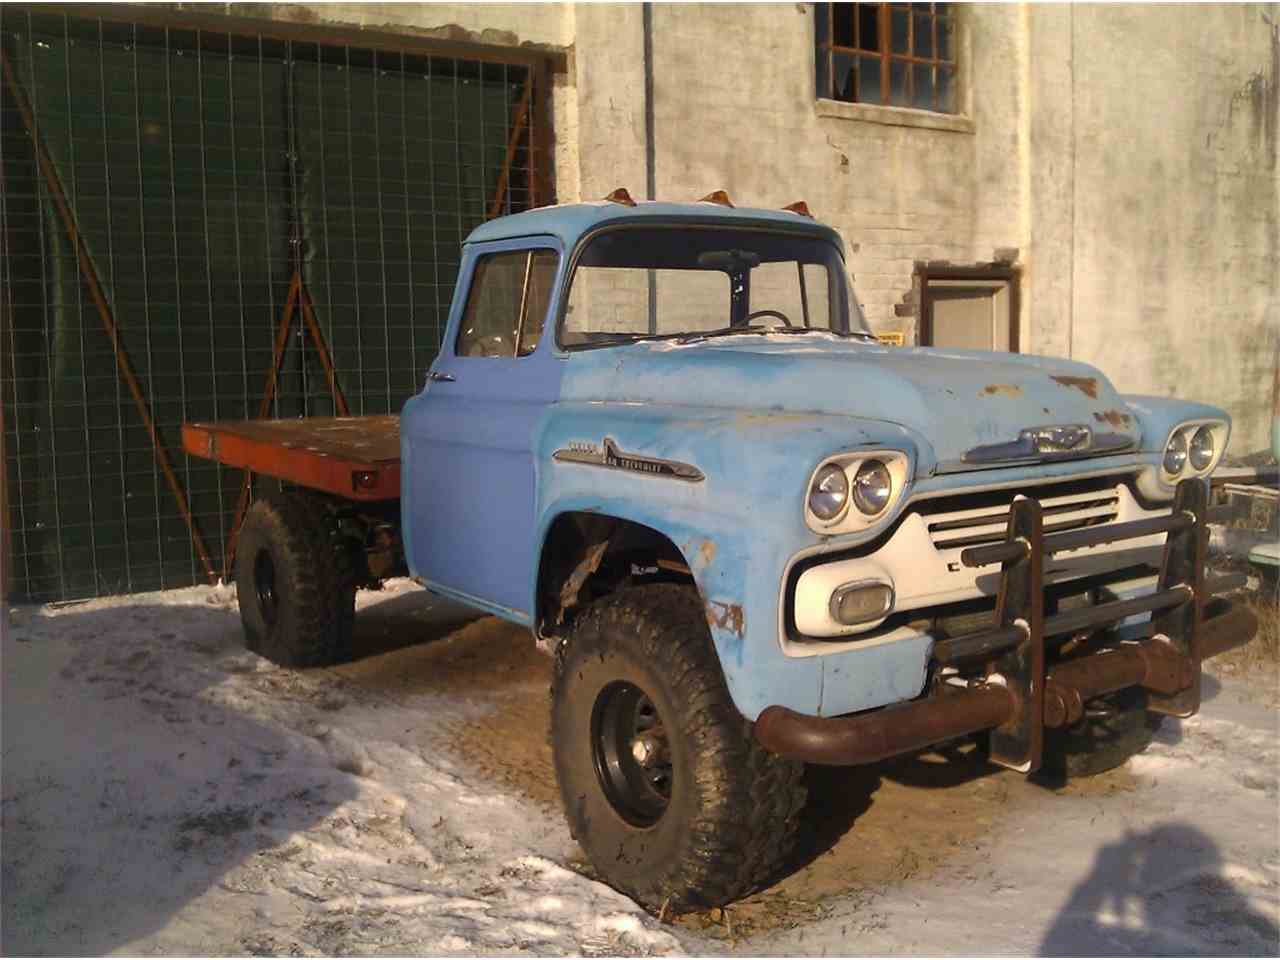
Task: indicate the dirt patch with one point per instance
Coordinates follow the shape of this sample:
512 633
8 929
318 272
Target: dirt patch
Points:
495 667
875 827
1258 661
866 828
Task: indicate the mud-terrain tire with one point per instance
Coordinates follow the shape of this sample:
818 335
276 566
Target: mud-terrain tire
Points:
730 814
294 583
1112 730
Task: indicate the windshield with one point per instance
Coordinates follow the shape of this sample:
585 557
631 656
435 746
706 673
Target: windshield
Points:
693 282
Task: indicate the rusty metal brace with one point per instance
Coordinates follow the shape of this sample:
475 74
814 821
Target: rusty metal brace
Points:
517 131
298 299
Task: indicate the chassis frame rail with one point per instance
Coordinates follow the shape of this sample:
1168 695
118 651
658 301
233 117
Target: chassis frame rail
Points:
1019 694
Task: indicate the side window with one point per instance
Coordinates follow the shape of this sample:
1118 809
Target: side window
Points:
507 304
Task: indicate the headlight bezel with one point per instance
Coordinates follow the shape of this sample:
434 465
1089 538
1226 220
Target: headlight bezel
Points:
1219 431
851 519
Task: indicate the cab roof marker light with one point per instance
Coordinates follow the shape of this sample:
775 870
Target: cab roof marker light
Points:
718 197
621 196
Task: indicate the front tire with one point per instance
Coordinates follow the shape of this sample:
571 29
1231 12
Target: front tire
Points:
296 594
663 785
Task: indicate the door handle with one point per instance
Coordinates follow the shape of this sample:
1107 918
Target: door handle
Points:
437 375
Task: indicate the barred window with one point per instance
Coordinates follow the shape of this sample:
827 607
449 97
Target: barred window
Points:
893 54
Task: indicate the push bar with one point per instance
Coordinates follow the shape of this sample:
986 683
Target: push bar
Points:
1019 695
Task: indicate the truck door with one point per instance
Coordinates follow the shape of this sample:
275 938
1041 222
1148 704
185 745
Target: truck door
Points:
468 481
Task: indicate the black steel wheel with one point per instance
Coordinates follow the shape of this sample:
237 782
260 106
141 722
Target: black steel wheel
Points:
264 585
663 785
296 593
631 752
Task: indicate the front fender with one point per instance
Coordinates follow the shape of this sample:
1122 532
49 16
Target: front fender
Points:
737 528
1159 415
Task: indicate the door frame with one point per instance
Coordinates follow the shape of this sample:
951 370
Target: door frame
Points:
533 392
982 272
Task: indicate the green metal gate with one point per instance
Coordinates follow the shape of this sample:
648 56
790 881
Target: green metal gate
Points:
178 202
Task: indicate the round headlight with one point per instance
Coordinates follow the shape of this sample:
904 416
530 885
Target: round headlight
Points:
829 494
1175 454
872 487
1201 449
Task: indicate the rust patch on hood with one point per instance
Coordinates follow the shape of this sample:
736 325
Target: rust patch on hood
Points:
1005 389
726 616
707 553
1116 418
1086 385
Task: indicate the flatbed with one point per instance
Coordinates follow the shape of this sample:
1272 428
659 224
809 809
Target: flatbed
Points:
353 457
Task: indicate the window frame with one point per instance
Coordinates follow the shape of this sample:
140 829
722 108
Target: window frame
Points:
826 49
1009 274
529 250
839 282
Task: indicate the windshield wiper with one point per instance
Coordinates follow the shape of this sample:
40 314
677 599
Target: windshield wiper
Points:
721 332
761 331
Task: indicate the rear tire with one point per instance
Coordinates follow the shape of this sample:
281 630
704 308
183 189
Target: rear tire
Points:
663 785
1112 730
294 584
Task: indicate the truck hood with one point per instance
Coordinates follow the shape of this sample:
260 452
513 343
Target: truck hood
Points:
956 400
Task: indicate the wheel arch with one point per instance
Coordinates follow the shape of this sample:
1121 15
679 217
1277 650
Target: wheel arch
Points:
585 554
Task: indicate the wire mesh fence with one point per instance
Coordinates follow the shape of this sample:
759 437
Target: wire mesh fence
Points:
205 183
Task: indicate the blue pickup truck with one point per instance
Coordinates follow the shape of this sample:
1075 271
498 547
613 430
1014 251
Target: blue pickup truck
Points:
662 437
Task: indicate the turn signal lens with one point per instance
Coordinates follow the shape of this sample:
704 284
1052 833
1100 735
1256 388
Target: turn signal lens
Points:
856 603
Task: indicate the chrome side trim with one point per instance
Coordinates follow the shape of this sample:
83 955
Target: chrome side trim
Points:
609 456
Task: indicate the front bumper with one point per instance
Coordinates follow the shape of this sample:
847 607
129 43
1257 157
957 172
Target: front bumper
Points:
1012 690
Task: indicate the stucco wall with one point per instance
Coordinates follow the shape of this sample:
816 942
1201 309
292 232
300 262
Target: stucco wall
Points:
1125 155
735 109
1175 219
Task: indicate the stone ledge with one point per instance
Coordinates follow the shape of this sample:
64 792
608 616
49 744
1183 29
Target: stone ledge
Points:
893 116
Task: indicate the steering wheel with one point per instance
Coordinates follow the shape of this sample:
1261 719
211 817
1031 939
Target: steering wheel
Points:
769 313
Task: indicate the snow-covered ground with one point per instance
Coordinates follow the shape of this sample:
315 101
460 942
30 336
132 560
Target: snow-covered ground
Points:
166 792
